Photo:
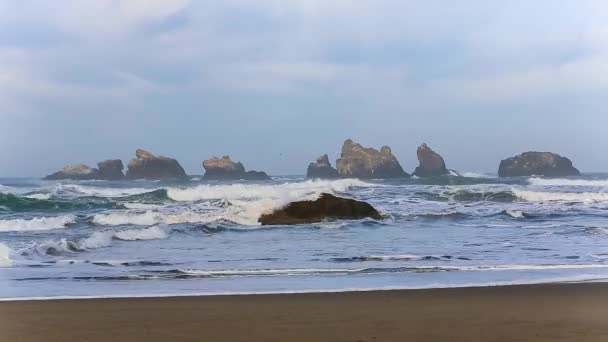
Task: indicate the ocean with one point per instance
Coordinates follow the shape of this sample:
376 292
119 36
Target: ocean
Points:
63 239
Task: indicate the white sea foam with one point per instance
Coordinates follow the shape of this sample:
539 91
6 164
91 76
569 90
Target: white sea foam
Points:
151 233
5 255
147 218
39 223
540 196
39 196
476 175
97 191
515 213
568 182
258 191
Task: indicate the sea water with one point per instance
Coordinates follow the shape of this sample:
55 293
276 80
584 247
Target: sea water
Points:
144 238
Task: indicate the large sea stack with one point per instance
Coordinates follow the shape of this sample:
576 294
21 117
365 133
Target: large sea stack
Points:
321 168
111 169
537 164
226 169
359 162
431 163
326 207
146 165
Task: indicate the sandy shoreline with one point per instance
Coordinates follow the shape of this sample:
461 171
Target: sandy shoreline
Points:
553 312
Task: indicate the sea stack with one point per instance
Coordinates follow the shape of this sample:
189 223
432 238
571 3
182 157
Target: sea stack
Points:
321 168
111 169
75 172
146 165
359 162
226 169
326 207
537 164
431 163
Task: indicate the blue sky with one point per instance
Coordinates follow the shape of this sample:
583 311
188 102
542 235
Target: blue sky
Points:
276 83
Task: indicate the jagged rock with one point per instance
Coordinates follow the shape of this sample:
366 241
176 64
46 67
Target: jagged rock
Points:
111 169
359 162
76 172
537 164
326 207
321 168
225 169
146 165
431 163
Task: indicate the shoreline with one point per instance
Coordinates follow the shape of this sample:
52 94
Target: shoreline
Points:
542 312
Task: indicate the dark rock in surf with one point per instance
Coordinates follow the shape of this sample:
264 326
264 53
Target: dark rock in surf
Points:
75 172
359 162
326 207
226 169
111 169
431 163
537 164
321 168
146 165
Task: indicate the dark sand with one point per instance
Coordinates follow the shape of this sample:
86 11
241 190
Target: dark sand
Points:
566 312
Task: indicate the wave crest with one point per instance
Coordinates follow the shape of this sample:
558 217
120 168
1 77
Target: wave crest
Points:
36 224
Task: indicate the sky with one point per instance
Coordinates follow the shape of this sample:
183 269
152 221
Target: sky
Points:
277 83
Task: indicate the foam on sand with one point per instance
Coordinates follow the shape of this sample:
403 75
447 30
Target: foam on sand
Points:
36 224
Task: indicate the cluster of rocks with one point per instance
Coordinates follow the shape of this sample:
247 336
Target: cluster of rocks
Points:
225 169
357 161
147 165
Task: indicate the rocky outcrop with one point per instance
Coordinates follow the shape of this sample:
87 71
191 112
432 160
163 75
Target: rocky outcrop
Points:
225 169
537 164
431 163
76 172
146 165
326 207
321 168
359 162
111 169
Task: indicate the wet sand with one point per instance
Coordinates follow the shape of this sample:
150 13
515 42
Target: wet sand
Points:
559 312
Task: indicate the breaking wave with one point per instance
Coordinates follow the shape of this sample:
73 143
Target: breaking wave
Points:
539 196
36 224
568 182
5 255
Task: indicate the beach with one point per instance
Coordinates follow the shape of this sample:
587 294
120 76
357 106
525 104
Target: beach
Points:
550 312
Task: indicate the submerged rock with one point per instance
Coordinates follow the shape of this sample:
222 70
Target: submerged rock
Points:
326 207
111 169
431 163
359 162
321 168
226 169
146 165
537 164
76 172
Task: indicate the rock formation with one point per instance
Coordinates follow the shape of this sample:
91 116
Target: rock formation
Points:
431 163
76 172
537 164
359 162
111 169
146 165
326 207
225 169
321 168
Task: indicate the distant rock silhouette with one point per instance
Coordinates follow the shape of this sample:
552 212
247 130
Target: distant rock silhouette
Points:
326 207
225 169
537 164
146 165
321 168
359 162
431 163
